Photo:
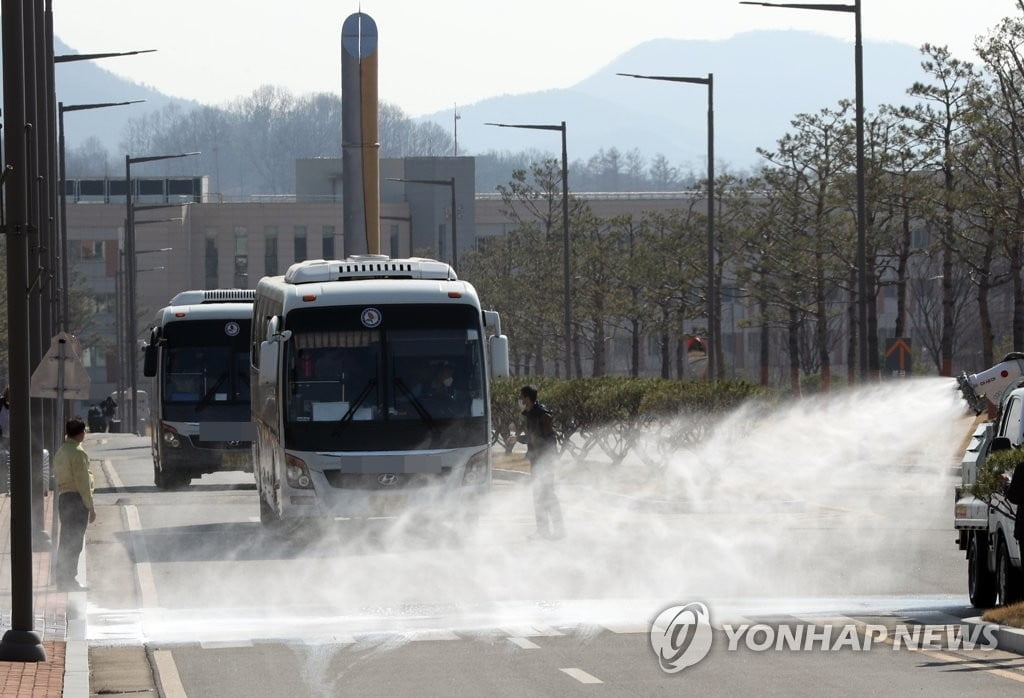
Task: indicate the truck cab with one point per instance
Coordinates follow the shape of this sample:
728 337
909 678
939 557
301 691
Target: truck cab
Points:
985 529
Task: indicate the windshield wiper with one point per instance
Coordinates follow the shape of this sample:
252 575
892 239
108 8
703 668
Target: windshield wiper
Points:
347 417
205 400
417 405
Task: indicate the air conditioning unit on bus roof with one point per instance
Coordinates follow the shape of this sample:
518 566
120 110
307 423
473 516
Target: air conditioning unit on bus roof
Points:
367 267
219 295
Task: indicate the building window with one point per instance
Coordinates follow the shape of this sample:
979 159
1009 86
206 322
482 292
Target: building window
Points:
94 358
92 249
270 250
241 271
440 240
328 248
394 240
241 278
300 243
211 258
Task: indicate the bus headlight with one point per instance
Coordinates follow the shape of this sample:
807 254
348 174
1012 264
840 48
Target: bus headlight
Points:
297 474
171 437
476 469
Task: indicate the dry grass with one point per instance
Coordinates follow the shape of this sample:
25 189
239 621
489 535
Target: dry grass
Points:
1012 615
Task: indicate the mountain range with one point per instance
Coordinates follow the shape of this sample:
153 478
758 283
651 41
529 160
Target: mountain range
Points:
762 80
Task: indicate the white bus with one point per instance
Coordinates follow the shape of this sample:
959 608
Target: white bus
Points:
371 389
198 355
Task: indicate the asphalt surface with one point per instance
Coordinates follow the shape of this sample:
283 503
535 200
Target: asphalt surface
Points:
189 595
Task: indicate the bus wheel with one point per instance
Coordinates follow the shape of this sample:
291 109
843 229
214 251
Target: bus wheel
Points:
170 480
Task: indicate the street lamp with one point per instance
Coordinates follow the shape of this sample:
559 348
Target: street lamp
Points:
131 271
567 299
122 345
858 61
450 182
65 285
712 300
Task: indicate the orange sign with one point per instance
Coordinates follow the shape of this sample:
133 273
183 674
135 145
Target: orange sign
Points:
898 356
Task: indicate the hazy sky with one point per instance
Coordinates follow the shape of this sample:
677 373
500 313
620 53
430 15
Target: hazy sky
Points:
437 53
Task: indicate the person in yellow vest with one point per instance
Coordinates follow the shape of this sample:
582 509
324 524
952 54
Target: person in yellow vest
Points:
74 503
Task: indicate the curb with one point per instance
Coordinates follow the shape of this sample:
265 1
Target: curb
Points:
1007 638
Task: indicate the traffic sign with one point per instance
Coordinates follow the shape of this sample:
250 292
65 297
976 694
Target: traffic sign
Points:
898 357
61 373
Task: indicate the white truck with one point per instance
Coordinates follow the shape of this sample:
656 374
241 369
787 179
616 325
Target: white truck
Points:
985 524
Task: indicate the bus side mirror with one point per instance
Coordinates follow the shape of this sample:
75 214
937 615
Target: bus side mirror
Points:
499 356
269 352
149 361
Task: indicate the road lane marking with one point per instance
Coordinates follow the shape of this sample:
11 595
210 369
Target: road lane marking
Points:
962 661
332 640
167 675
225 644
965 663
523 643
112 477
581 676
143 570
531 631
429 635
627 628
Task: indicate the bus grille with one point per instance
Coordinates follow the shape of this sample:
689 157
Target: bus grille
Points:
403 481
222 445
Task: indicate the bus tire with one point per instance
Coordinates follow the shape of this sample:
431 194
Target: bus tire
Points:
170 480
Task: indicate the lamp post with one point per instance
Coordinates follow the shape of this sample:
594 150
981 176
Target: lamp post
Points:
450 183
567 287
858 63
714 333
455 128
130 273
122 345
64 282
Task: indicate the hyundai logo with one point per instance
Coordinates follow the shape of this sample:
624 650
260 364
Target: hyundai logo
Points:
387 479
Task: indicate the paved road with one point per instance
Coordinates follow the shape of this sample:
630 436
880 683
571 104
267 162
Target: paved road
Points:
396 607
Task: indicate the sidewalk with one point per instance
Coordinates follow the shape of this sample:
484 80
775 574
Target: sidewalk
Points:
50 612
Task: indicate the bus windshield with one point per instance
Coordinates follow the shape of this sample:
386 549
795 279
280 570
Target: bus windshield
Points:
206 370
414 381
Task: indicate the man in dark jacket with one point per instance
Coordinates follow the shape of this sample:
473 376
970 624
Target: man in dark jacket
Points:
541 446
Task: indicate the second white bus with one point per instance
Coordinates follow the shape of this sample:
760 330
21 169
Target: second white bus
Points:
198 356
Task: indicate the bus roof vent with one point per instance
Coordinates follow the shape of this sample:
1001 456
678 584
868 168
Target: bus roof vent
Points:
220 295
368 267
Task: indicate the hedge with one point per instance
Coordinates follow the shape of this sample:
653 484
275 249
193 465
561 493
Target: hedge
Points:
612 413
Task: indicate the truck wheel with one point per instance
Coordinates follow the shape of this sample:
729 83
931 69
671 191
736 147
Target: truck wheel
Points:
1007 577
981 583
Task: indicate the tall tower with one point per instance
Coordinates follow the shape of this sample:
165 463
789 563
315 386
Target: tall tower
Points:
359 136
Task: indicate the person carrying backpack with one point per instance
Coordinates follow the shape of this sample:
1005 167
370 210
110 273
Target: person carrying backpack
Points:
541 451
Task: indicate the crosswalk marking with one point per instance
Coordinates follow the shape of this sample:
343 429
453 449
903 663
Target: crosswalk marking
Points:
225 644
581 676
523 643
531 631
